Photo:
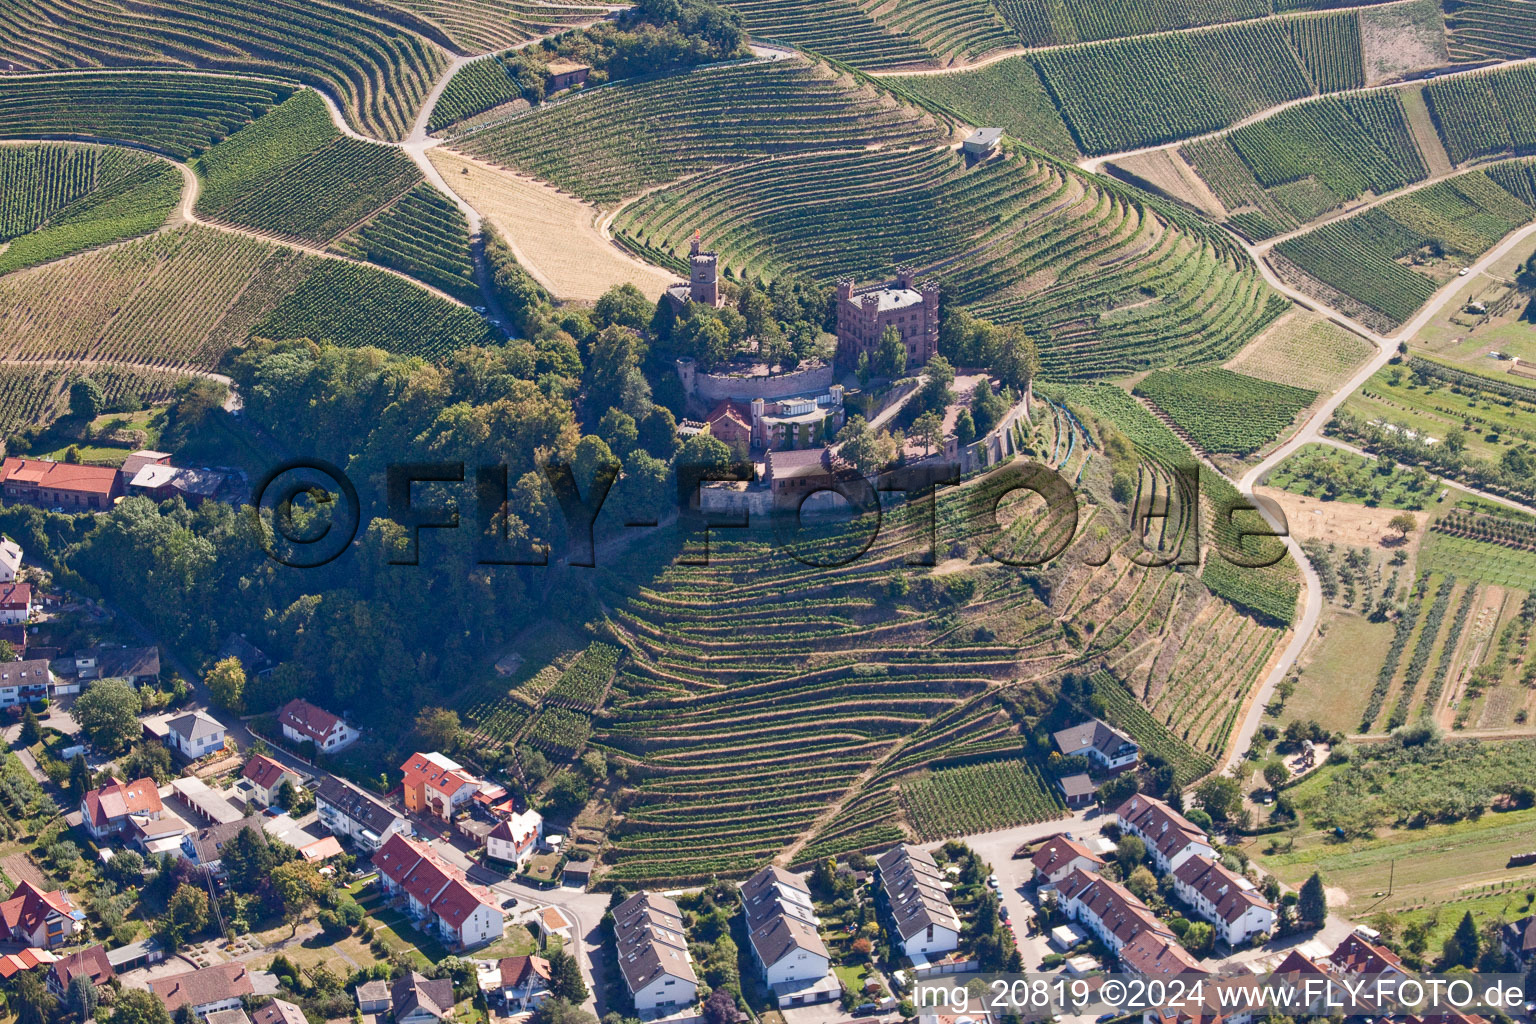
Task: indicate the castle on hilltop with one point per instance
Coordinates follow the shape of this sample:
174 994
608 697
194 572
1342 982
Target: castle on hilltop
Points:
864 313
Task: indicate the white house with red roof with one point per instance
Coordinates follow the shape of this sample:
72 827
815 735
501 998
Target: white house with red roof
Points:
438 893
1171 838
37 918
10 560
303 722
15 603
438 785
110 810
262 777
1226 899
1059 856
514 838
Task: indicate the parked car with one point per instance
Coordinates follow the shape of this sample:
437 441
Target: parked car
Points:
509 903
866 1010
992 881
1002 912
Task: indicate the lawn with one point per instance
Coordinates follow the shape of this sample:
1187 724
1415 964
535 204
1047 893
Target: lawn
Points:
393 928
518 941
852 976
1425 868
1336 683
541 867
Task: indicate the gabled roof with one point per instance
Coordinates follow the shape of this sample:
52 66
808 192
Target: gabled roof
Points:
1060 851
119 799
10 555
1074 786
1231 894
307 719
415 992
209 843
15 595
369 812
1520 936
127 662
60 476
1116 907
1092 735
649 940
29 906
436 772
279 1011
795 462
1162 826
89 963
1357 956
264 771
914 888
1152 953
430 880
202 986
518 971
25 673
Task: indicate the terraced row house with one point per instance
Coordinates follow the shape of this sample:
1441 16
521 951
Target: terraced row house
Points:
438 894
784 933
652 950
1181 849
912 893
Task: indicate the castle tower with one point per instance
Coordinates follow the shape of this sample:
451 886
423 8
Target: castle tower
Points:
703 276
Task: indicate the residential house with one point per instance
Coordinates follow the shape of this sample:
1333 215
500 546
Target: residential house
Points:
141 458
1076 790
912 893
347 811
438 893
234 1015
1519 940
515 838
1171 838
111 809
1358 955
1108 909
652 951
373 997
29 959
1059 856
90 963
69 486
164 482
262 777
37 918
1157 954
205 847
138 665
518 983
204 990
784 933
22 682
421 1000
1104 745
10 560
437 784
195 735
1226 899
303 722
15 603
279 1011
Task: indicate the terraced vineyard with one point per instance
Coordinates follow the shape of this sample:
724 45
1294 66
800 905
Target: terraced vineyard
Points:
378 70
1133 93
1487 113
381 310
478 26
1360 258
1123 710
475 88
1007 94
58 200
177 299
978 798
1490 29
1118 285
851 31
292 174
180 115
36 394
625 138
1329 48
1222 411
423 235
1296 165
